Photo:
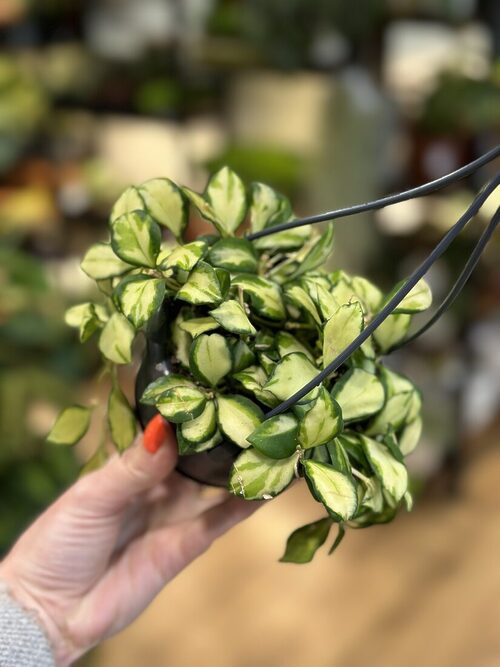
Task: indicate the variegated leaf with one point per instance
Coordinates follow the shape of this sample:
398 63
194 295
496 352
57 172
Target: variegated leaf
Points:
359 394
181 404
84 318
291 374
391 473
202 287
335 490
340 330
231 316
136 238
255 476
210 358
265 296
130 200
165 203
322 422
184 257
276 437
199 325
70 426
139 297
238 417
237 255
226 194
267 207
116 339
100 262
121 419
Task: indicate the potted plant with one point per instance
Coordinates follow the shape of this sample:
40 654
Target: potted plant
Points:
253 351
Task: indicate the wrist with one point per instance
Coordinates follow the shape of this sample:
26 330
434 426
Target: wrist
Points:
62 648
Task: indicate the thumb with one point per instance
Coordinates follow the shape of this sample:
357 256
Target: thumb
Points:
124 477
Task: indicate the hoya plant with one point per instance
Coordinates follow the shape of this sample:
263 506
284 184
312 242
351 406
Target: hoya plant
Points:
242 327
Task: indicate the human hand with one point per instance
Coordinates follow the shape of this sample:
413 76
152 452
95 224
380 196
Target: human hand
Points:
99 555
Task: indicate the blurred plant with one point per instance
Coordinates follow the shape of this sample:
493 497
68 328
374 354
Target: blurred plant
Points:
39 364
23 106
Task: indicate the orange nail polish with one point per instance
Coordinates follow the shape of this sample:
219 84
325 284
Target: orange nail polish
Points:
155 434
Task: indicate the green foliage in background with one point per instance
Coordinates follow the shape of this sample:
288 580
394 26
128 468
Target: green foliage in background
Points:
251 323
39 364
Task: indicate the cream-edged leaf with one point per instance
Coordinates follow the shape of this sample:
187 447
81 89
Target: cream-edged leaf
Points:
181 404
417 300
202 287
231 316
130 200
139 297
199 325
162 384
236 255
210 358
322 422
184 257
335 490
255 476
265 296
202 428
226 194
391 332
238 416
391 473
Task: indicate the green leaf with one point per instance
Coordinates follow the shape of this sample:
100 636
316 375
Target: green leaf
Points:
253 378
210 358
202 205
100 262
181 340
96 461
417 300
392 331
83 317
181 404
321 297
226 194
265 296
162 384
287 344
70 426
393 414
267 207
165 204
238 417
116 339
136 238
291 374
287 240
322 422
340 330
187 447
318 254
339 457
336 491
409 436
139 297
199 325
130 200
369 295
338 539
276 437
255 476
121 419
301 299
237 255
242 356
185 257
202 286
359 393
202 428
303 543
231 316
391 473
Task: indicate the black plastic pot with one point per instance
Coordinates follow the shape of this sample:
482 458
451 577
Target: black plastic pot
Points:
211 467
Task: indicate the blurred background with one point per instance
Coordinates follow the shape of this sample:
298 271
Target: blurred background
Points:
332 102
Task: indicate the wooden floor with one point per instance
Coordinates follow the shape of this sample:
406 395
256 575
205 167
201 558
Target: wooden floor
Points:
424 590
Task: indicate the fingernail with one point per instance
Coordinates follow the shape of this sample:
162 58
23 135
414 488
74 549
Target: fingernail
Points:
155 434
